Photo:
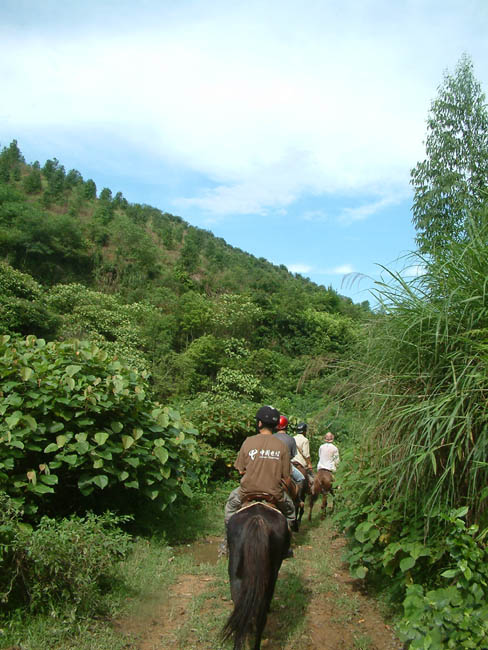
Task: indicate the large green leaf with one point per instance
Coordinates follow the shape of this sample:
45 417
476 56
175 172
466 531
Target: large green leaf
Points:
82 447
31 422
101 481
39 488
13 420
72 370
49 479
363 531
162 454
185 488
360 572
26 373
407 563
101 437
127 441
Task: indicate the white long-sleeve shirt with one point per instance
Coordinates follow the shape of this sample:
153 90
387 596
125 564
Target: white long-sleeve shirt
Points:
328 457
303 450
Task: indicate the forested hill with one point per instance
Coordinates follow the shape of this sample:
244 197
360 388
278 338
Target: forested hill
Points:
56 229
166 295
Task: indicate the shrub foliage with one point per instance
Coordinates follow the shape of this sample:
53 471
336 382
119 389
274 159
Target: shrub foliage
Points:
76 422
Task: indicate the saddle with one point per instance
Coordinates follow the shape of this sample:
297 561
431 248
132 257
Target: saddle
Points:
259 497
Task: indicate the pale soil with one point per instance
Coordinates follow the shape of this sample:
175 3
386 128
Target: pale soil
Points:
336 613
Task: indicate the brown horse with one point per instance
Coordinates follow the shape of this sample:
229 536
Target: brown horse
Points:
322 484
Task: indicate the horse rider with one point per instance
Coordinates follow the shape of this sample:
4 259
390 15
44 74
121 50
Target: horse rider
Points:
328 454
282 434
264 464
302 459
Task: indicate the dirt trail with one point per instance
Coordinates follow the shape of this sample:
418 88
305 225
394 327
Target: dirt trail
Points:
334 612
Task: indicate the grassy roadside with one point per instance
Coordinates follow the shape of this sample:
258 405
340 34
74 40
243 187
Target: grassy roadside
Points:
166 597
150 569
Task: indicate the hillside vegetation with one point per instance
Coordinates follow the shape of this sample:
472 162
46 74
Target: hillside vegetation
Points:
135 350
214 328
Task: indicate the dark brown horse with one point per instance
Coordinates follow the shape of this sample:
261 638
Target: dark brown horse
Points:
322 485
258 539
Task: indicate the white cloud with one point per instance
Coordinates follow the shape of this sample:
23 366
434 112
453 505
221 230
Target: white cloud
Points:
349 215
344 269
303 269
269 101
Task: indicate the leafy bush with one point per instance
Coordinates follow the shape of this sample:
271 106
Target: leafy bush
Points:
105 318
65 563
70 561
76 422
15 283
223 423
455 614
10 530
236 383
22 305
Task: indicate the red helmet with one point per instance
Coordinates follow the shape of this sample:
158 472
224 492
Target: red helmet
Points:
283 423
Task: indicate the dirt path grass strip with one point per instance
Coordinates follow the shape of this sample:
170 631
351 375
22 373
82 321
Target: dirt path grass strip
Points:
317 605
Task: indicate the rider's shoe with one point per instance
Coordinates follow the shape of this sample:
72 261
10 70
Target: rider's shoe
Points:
223 550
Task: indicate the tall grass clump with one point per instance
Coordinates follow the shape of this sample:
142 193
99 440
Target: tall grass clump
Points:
428 378
417 484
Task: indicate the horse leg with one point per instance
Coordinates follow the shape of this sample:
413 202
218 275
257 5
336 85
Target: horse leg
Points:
312 501
299 506
300 514
235 581
324 506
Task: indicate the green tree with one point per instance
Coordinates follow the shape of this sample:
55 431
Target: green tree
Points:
73 178
32 182
450 183
90 189
10 160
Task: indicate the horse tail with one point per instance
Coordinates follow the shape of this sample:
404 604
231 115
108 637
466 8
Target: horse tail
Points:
255 573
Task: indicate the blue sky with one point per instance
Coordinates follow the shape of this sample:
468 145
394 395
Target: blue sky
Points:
287 128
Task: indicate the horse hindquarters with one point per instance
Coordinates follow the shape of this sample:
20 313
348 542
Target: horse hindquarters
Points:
322 485
255 556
